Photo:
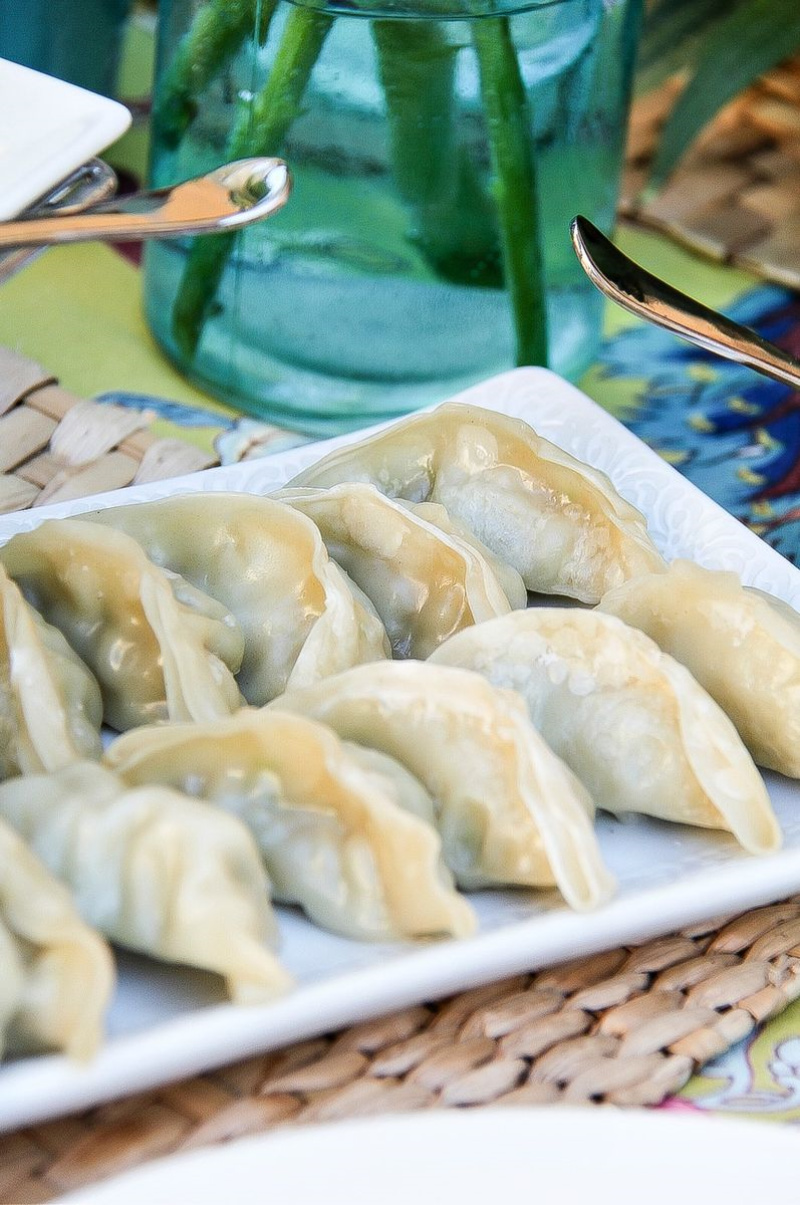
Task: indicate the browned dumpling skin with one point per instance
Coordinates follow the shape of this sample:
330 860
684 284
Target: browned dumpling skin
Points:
558 522
267 564
159 648
50 704
508 810
425 583
345 833
510 580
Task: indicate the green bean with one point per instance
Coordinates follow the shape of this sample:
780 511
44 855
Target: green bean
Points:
259 130
215 35
510 134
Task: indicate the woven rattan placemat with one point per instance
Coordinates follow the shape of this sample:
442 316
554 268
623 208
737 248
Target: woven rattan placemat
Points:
736 195
55 446
627 1027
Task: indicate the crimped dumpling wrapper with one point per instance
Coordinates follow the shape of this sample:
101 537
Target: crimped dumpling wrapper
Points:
159 648
50 703
57 974
508 810
267 564
403 787
347 836
510 580
632 723
155 871
425 584
560 523
742 646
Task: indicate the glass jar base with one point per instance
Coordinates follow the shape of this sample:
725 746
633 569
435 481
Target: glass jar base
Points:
323 406
234 365
315 404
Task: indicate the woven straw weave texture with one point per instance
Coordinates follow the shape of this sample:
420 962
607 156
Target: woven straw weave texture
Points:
627 1027
55 446
736 195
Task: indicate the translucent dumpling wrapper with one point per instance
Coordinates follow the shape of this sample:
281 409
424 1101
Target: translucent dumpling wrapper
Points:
57 974
268 565
155 871
510 580
560 523
391 776
742 646
632 723
160 648
425 584
508 810
50 704
345 833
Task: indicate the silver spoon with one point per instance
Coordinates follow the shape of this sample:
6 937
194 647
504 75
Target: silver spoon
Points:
637 290
225 199
89 185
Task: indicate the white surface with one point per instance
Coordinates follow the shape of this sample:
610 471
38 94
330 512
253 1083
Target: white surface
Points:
506 1155
48 129
166 1023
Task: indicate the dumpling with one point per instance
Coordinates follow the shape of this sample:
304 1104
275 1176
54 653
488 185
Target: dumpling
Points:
742 646
347 837
155 871
630 721
425 585
57 974
508 810
558 522
159 648
12 982
267 564
50 705
510 580
391 776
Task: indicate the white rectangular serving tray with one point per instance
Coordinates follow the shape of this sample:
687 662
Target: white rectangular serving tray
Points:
167 1023
50 128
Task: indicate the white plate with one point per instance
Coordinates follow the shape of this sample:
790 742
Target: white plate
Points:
506 1155
48 129
166 1023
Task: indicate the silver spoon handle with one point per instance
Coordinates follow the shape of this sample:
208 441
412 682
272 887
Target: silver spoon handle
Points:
637 290
90 184
225 199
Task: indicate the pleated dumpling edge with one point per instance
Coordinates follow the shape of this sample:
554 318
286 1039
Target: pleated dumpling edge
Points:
155 871
630 721
560 523
741 644
58 974
347 837
509 811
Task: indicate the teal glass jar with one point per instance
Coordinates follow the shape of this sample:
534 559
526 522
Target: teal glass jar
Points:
438 148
